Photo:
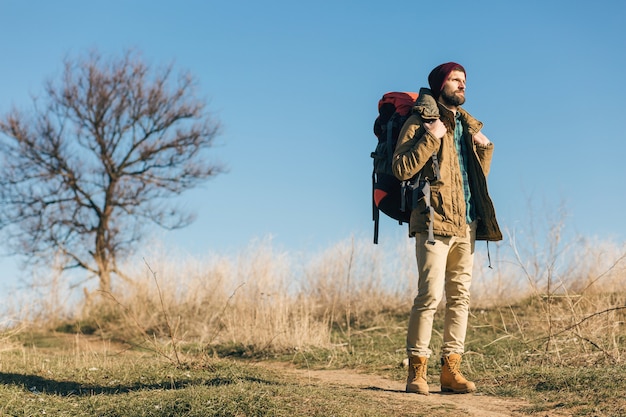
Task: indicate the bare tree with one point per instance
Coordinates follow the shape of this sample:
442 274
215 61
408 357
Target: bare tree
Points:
99 159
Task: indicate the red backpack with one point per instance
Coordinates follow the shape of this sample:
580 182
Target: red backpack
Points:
393 197
393 110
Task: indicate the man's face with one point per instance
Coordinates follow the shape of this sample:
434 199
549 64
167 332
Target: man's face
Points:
453 90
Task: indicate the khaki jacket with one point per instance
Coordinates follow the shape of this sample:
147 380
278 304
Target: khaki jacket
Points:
413 153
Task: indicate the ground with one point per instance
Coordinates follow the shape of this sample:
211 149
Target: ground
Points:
381 390
466 405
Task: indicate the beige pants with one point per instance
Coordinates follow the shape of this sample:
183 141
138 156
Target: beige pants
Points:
446 265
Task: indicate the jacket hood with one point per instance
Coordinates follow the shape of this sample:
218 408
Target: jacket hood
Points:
426 105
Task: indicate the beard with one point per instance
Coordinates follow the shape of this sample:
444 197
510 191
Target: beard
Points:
451 99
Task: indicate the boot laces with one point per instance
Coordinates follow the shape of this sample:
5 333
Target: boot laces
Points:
419 369
455 367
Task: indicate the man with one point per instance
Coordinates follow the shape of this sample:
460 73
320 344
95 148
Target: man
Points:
462 212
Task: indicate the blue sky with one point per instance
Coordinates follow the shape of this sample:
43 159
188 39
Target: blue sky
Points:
295 86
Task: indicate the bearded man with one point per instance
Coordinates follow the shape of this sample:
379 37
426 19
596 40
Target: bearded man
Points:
445 145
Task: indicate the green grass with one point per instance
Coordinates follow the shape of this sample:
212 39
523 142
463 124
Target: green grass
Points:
576 373
131 384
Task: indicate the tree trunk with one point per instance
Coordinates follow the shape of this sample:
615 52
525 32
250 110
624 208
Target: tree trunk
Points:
102 254
105 280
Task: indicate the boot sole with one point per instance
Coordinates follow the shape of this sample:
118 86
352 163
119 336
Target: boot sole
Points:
464 391
417 392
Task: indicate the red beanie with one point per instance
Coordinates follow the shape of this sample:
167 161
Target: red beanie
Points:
438 76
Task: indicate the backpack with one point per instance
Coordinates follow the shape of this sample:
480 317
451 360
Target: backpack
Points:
393 197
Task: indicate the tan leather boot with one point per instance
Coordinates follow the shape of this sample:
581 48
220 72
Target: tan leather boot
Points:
451 378
416 381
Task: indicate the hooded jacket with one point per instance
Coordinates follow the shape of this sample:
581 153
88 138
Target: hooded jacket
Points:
413 154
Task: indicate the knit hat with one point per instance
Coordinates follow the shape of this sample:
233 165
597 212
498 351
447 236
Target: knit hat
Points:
439 75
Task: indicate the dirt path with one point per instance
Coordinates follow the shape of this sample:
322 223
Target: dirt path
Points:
383 389
466 405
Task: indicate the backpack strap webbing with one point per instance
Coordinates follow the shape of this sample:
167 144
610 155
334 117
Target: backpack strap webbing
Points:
436 166
390 148
431 212
375 210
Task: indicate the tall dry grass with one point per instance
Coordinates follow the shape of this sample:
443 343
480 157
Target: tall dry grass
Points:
568 294
258 299
262 299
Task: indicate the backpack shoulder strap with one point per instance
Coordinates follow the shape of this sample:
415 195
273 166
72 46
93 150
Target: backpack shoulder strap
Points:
436 166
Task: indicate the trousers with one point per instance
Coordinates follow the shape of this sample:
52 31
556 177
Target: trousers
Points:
445 267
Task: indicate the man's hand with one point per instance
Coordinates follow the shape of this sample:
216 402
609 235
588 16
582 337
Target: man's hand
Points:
480 139
436 128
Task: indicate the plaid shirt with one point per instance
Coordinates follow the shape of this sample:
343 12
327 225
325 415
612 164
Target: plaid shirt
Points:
462 152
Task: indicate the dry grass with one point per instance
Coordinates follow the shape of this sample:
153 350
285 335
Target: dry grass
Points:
261 300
